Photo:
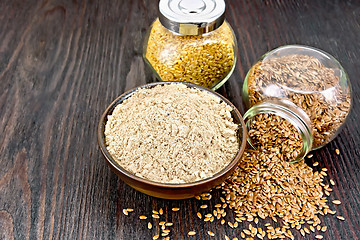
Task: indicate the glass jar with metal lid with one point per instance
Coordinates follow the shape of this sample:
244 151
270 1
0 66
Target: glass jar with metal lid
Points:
304 85
191 42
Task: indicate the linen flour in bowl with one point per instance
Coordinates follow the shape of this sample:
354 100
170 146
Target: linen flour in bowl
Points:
172 135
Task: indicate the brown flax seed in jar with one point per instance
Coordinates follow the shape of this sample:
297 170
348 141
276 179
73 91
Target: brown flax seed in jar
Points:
304 85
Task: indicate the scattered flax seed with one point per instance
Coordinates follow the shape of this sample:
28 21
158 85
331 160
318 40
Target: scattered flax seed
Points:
222 221
169 224
175 209
155 216
156 237
227 238
256 220
218 206
211 233
191 233
242 235
318 227
161 223
230 224
155 212
207 198
332 212
161 211
143 217
310 156
302 232
215 213
319 236
326 211
337 151
204 194
197 197
253 232
199 215
315 164
203 206
332 182
149 225
340 218
289 235
125 212
207 219
307 230
164 234
323 229
312 228
336 202
235 238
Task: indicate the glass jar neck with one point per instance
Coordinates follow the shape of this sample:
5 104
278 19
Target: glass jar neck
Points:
288 111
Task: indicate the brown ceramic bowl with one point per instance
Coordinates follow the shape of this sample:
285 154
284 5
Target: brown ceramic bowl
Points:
168 190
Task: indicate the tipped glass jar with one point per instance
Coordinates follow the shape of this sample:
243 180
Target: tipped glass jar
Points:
303 85
191 42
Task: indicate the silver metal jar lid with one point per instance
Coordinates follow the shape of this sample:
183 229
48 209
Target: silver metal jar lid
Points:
191 17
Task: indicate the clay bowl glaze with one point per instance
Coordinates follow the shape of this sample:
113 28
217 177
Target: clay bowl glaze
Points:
170 190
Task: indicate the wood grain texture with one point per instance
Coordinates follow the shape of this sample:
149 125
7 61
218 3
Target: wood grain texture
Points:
63 62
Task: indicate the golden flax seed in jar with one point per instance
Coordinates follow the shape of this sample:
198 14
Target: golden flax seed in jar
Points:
191 42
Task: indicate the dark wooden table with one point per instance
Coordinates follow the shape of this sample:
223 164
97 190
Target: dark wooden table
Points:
63 62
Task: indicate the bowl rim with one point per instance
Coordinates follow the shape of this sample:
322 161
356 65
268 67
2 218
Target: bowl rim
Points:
117 167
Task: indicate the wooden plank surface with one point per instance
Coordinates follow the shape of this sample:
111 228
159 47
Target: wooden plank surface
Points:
63 62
